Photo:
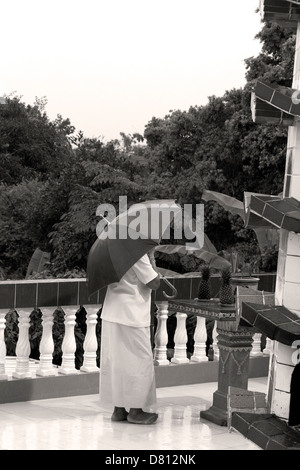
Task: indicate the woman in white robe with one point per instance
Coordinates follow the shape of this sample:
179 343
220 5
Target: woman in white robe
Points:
127 379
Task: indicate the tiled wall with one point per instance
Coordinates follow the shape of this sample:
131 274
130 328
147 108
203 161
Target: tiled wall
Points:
292 174
288 294
63 292
288 271
280 379
292 170
46 293
288 268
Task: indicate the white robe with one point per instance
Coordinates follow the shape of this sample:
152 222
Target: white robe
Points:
127 376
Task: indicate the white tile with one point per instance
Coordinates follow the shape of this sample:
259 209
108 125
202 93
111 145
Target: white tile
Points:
294 190
283 353
295 187
281 404
281 264
78 423
283 377
291 295
292 269
279 291
293 243
296 162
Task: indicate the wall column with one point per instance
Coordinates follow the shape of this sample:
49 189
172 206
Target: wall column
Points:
287 292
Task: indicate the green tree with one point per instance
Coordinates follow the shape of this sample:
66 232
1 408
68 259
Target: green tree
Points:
31 146
276 61
28 210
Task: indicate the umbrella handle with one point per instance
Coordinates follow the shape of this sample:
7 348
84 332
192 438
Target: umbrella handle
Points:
172 296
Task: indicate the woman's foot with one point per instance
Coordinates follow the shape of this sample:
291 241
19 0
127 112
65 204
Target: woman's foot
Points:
119 414
138 416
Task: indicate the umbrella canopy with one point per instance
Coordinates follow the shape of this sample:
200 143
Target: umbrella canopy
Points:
229 203
126 239
212 259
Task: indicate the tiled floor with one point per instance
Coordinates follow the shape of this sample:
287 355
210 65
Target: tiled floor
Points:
78 423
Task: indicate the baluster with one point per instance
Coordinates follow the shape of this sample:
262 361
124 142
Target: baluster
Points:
180 340
69 344
269 347
215 343
256 348
200 335
161 335
23 346
90 344
3 375
46 367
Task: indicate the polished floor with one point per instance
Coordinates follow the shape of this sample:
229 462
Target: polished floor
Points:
78 423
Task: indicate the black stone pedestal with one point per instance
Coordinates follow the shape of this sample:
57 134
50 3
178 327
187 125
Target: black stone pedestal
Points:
235 344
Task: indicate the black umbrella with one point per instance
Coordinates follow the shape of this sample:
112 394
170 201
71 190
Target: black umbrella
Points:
126 239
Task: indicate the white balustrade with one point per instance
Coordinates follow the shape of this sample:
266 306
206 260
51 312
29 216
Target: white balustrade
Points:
180 340
256 345
3 375
161 335
200 337
215 343
46 367
23 346
90 344
69 344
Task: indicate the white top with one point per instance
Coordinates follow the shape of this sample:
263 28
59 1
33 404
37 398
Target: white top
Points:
128 301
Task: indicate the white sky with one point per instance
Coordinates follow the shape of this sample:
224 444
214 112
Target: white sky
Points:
111 65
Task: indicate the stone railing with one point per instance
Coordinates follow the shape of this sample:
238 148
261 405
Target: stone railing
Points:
71 294
68 295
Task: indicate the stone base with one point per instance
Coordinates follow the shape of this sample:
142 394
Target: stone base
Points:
46 373
64 371
89 369
215 415
22 375
36 388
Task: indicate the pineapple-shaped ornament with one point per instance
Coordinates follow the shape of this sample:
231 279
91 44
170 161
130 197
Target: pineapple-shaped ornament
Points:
226 294
204 289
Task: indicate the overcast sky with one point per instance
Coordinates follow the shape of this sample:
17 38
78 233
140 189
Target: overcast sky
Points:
110 66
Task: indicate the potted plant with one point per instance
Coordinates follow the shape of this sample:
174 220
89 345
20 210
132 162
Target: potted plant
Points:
204 289
226 293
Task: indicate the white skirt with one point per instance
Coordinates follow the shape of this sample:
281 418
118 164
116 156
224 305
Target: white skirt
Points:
127 377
